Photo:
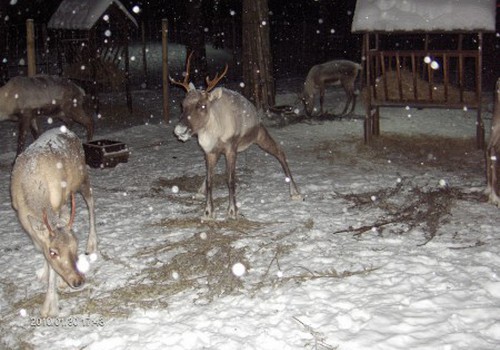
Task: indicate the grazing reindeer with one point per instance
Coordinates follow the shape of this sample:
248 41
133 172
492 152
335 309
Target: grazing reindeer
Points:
333 72
23 99
44 176
493 152
226 123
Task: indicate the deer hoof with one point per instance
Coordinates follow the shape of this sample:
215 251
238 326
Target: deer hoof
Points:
232 215
208 217
49 309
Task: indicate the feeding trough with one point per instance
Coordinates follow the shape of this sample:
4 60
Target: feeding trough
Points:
105 153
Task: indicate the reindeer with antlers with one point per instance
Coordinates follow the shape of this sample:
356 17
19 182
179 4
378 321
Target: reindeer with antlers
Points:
225 123
44 177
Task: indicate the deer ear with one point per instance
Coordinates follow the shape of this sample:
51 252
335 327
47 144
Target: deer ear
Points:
215 95
39 227
191 86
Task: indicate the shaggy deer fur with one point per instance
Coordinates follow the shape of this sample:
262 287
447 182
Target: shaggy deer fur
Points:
225 123
23 99
44 177
342 72
493 152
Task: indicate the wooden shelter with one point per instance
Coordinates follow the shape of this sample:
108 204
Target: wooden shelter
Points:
422 53
92 40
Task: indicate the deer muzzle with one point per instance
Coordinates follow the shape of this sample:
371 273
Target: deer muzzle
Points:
182 132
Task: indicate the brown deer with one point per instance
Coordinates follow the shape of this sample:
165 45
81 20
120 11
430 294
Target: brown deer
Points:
342 72
24 99
225 123
493 152
44 177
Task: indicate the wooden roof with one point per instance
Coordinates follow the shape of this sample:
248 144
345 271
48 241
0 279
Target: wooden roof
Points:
84 14
424 16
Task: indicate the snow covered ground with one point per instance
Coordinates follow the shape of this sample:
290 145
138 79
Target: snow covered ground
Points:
394 246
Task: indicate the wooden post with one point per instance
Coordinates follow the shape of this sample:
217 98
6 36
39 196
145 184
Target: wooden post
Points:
128 93
144 56
367 94
30 49
164 37
479 87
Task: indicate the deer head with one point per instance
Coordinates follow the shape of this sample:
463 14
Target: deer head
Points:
59 245
196 104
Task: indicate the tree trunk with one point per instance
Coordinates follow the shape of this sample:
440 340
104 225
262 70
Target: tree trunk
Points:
257 60
3 62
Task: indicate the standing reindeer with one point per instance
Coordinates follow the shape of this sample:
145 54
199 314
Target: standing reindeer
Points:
23 99
225 123
330 73
44 177
493 152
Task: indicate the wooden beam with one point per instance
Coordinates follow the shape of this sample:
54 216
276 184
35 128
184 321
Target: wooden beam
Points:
30 49
164 41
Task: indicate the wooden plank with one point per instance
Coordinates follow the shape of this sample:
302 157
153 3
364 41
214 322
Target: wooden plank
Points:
384 75
164 40
30 42
414 73
398 76
479 69
461 77
429 79
446 78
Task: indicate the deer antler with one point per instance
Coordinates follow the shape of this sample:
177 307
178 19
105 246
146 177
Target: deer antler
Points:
72 217
185 83
211 83
46 222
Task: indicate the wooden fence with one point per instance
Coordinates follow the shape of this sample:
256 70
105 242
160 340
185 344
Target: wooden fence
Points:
430 77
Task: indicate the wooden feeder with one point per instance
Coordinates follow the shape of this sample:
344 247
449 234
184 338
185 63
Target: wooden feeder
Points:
92 42
105 153
421 54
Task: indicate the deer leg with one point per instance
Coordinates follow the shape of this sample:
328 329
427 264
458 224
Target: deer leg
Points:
231 182
78 115
493 178
211 162
266 142
86 192
202 191
35 127
353 103
321 98
50 306
349 93
348 102
487 159
43 273
24 124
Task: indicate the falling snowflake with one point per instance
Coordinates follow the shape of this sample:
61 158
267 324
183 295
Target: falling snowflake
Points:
239 269
83 264
434 65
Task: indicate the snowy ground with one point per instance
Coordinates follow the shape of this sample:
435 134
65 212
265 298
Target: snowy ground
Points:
394 246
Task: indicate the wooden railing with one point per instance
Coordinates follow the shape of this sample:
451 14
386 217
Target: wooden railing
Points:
421 78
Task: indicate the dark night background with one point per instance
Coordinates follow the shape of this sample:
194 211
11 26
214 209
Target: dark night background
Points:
303 32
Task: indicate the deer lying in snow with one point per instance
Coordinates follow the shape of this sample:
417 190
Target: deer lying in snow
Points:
23 99
493 152
329 73
44 177
225 123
